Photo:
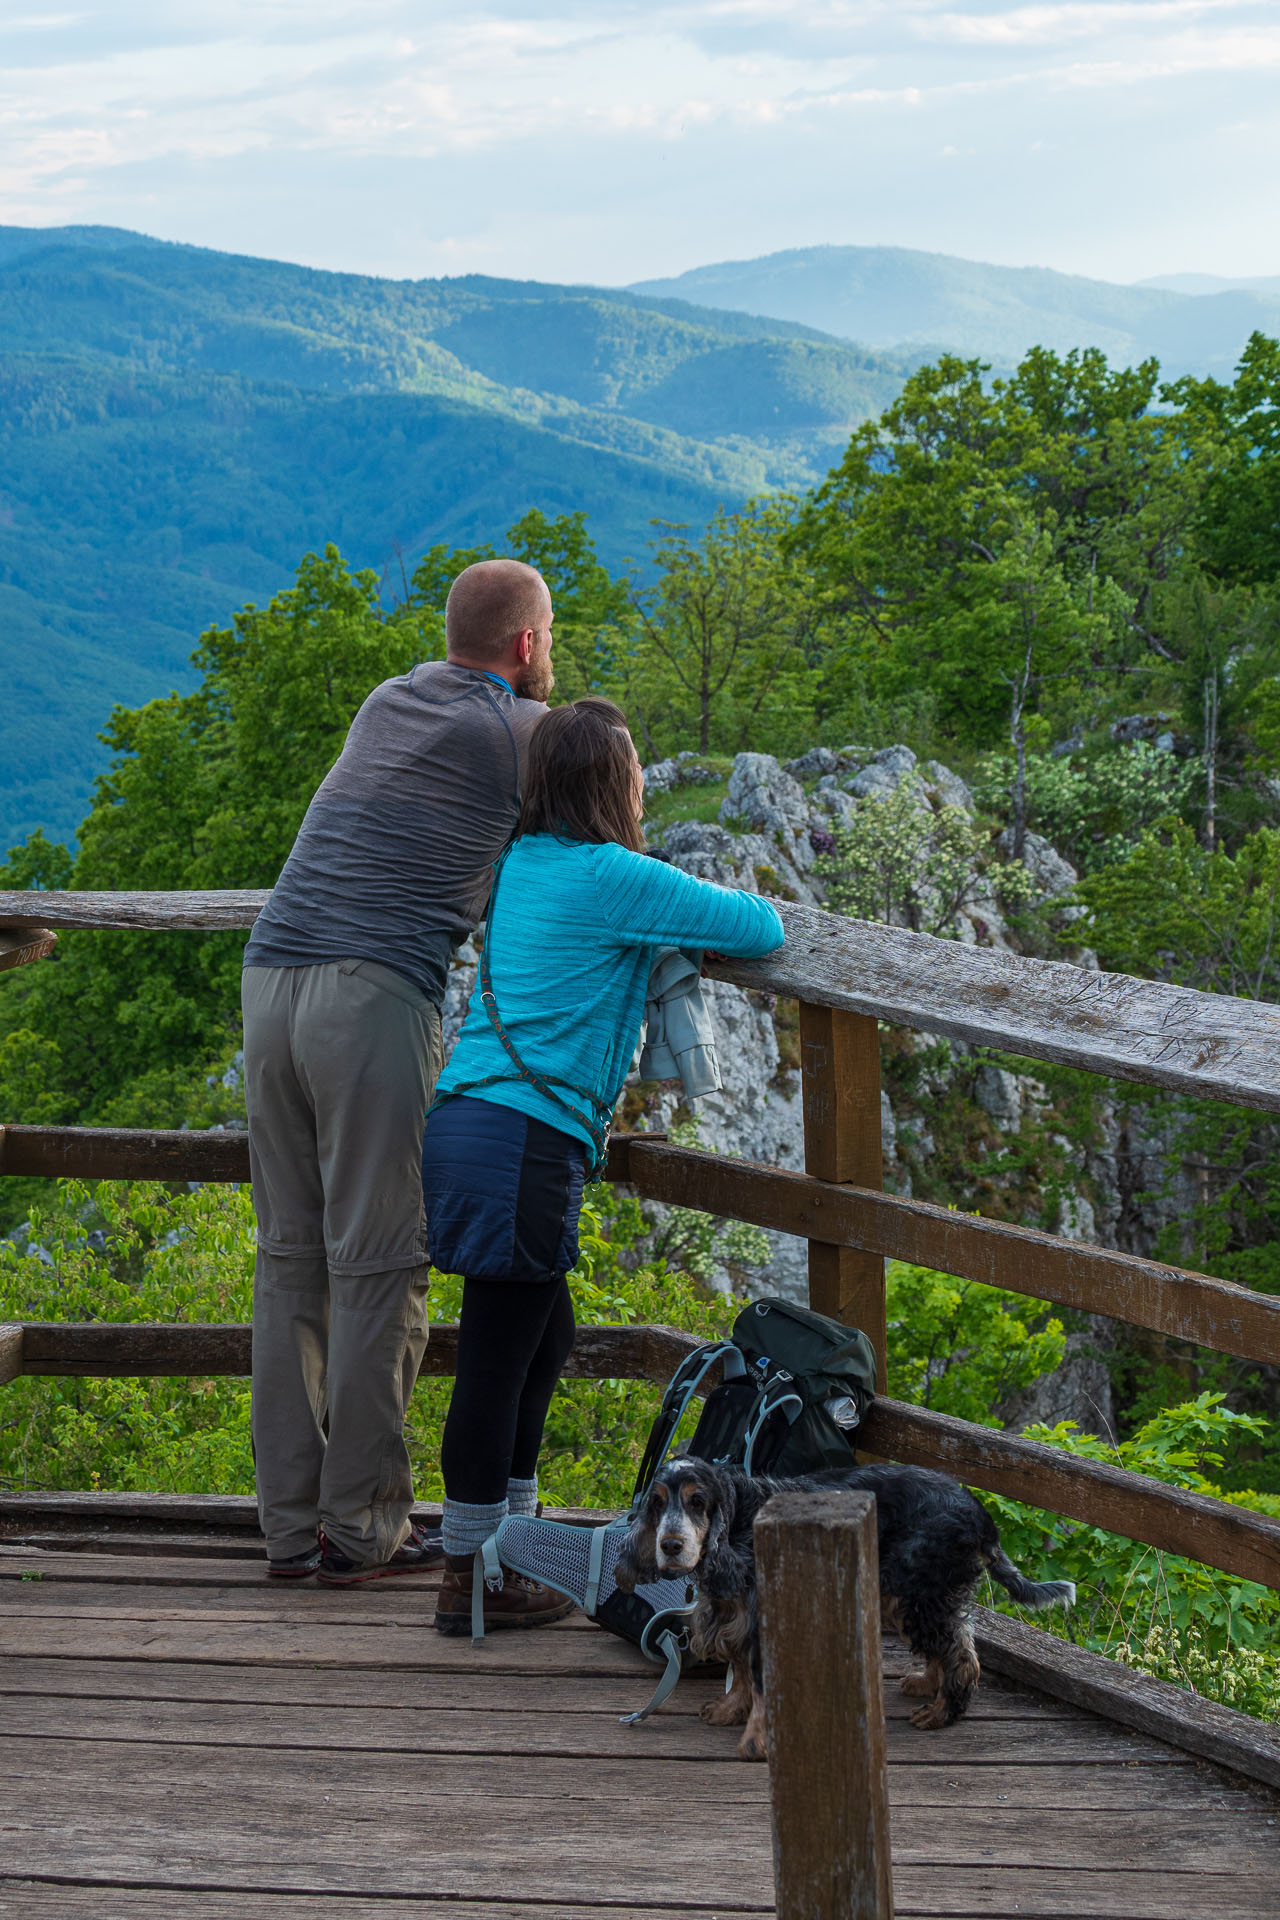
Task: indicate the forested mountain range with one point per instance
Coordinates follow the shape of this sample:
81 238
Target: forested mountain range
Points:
178 426
899 299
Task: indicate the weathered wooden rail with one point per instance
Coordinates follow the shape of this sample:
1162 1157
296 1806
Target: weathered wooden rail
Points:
848 977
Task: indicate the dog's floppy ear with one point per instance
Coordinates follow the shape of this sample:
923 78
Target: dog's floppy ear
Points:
722 1571
638 1561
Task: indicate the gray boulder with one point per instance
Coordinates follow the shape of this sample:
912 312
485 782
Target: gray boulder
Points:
1052 874
764 797
681 770
817 760
999 1094
1079 1389
767 800
840 806
945 788
883 773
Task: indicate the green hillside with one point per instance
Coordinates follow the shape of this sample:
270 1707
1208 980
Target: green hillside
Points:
895 298
178 426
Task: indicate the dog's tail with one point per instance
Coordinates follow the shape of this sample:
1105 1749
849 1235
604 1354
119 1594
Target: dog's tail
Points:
1029 1593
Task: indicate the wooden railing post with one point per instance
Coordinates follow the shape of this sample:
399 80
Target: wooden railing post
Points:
819 1589
10 1352
840 1086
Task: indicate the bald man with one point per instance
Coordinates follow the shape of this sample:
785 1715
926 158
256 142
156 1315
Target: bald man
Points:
344 976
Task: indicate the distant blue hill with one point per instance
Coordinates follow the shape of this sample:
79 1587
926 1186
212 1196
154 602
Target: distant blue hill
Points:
892 298
1267 287
179 426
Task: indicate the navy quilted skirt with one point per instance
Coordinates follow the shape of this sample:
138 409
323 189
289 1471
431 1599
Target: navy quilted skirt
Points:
502 1191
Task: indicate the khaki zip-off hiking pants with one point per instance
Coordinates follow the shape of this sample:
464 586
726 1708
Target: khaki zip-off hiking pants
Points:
340 1063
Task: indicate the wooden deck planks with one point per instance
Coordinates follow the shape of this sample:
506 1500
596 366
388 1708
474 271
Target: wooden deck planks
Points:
454 1750
176 1743
968 1894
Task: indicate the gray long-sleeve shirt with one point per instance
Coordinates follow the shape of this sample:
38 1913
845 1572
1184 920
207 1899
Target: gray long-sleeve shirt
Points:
394 859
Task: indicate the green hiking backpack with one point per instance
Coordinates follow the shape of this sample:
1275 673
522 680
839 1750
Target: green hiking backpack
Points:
794 1388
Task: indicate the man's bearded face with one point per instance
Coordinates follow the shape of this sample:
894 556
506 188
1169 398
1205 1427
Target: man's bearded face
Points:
536 677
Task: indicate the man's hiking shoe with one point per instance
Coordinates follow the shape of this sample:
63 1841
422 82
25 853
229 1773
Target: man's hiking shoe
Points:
518 1602
298 1567
422 1552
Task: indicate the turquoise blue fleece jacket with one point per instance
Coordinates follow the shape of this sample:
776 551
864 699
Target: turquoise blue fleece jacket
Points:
573 928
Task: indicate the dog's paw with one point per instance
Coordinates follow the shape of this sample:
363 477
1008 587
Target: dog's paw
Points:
754 1744
931 1716
727 1711
919 1684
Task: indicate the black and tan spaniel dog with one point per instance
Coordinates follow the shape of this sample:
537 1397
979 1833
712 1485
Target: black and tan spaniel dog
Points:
936 1541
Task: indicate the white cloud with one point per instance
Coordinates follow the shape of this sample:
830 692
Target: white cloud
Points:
1075 20
551 117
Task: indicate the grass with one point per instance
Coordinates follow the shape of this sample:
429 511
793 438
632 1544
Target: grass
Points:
701 801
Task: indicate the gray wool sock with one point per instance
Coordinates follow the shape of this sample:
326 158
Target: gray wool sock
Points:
522 1496
466 1527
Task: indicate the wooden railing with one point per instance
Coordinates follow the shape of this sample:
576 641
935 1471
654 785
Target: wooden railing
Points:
848 976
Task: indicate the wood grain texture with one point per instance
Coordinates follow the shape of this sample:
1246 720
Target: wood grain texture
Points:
407 1647
470 1737
458 1719
124 1153
215 910
818 1569
302 1821
1196 1725
1033 1729
141 1349
1176 1521
19 949
1109 1023
968 1893
10 1351
224 1512
840 1091
1145 1293
22 1899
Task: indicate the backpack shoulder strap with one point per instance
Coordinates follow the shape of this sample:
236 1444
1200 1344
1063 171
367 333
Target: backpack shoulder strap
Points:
684 1383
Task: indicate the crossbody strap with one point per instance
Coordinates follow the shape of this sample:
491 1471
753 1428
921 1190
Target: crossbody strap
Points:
544 1083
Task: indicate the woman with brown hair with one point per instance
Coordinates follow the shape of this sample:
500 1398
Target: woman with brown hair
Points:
523 1109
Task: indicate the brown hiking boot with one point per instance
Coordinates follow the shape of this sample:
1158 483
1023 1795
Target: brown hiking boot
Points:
518 1602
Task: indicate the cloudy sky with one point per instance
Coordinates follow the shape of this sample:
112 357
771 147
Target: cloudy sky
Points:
612 142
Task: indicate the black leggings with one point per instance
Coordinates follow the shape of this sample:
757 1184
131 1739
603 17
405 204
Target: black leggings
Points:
513 1338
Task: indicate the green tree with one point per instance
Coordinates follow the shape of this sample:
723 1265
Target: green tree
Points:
1000 543
1224 644
963 1348
38 862
1207 919
1238 523
899 862
721 658
1095 806
206 790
